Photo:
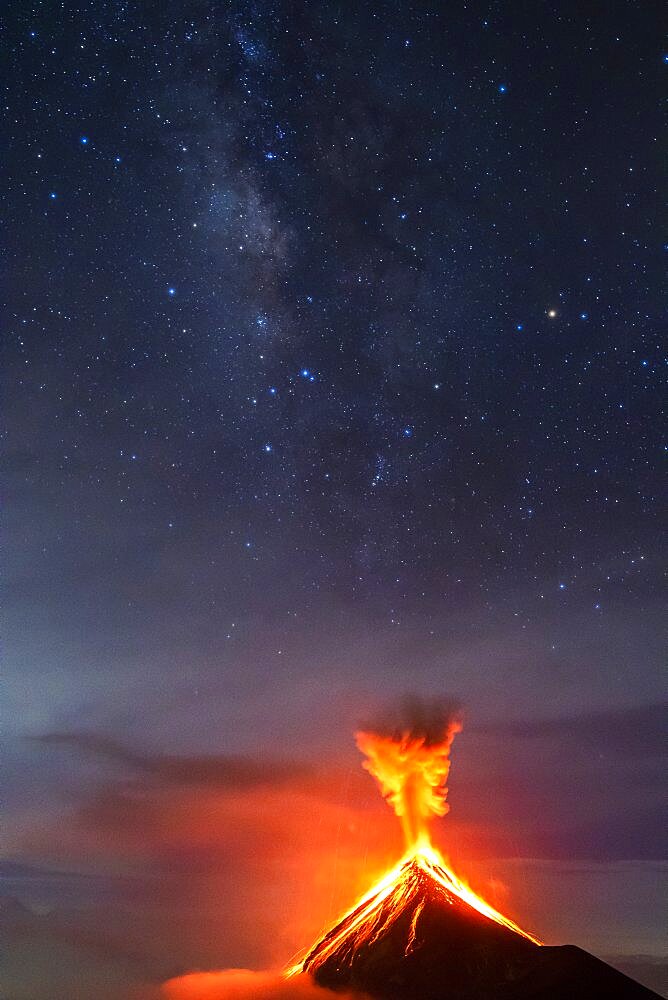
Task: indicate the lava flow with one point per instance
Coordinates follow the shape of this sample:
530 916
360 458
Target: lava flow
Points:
421 895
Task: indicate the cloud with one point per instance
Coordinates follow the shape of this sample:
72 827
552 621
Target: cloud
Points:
211 770
164 839
241 984
631 731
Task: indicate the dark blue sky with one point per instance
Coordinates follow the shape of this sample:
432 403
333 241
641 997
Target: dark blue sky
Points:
332 342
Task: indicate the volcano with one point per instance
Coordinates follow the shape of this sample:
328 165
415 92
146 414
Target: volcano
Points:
415 938
421 933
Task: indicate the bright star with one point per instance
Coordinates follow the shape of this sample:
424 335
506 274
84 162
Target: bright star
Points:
551 313
171 291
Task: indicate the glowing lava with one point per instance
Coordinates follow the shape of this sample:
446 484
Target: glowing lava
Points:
411 766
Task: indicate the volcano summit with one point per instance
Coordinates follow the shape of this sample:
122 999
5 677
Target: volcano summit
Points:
414 933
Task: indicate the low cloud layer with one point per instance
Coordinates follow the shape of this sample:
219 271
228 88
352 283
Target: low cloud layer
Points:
213 770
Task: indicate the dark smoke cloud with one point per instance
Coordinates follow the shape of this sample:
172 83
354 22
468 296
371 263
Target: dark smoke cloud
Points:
429 718
214 770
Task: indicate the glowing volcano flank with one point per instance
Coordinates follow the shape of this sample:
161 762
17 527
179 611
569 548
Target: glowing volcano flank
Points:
417 882
419 916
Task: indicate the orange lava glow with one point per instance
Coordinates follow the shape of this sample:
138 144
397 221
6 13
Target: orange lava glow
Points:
412 772
241 984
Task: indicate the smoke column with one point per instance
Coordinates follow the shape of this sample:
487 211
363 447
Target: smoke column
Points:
408 753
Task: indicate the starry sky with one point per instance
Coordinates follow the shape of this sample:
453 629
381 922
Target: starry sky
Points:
332 352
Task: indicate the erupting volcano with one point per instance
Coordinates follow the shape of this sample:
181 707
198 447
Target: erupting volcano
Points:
421 933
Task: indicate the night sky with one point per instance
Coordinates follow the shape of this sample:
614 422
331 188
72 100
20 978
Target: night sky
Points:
332 351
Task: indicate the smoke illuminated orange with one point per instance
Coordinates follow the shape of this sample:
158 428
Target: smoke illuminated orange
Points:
412 772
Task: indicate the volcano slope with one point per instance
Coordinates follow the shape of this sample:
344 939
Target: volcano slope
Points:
418 941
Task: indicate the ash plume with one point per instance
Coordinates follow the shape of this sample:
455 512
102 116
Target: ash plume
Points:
408 753
430 720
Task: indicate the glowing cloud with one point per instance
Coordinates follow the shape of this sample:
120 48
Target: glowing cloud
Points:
241 984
